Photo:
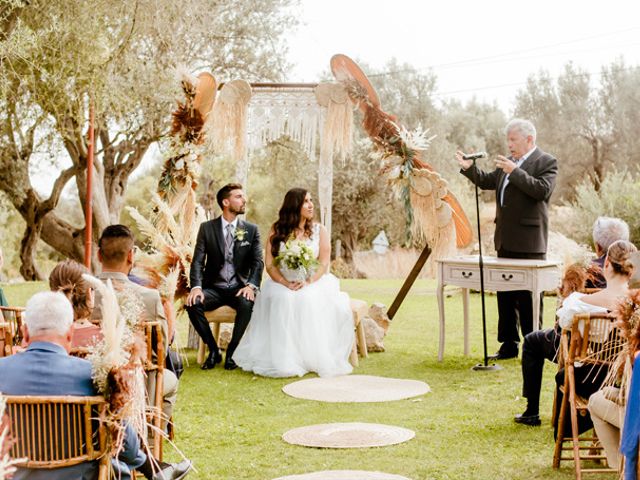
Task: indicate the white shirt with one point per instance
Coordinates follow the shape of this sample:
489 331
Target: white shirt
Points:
233 224
518 164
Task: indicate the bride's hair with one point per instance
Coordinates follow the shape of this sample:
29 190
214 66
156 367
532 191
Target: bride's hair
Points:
289 219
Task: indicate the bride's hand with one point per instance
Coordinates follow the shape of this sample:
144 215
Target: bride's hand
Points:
295 285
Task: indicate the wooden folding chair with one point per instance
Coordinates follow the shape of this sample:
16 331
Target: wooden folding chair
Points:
594 342
224 314
359 309
58 431
154 365
10 329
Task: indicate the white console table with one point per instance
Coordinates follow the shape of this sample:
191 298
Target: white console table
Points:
500 275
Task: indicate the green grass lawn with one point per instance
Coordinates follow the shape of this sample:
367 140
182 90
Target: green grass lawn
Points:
230 423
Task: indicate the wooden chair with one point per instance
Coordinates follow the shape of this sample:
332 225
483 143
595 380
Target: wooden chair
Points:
359 309
58 431
154 365
596 347
220 315
10 329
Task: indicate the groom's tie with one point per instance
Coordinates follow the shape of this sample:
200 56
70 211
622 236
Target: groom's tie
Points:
228 243
228 254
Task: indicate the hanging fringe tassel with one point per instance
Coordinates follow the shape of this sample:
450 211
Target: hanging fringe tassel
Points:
337 138
432 215
276 112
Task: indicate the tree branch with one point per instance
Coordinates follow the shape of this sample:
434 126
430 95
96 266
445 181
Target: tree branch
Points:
64 177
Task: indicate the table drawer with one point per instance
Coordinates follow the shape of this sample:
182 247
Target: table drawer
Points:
506 277
457 274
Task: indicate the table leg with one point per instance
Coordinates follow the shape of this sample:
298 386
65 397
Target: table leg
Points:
465 310
440 296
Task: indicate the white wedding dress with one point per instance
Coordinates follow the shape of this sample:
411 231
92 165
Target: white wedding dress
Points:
292 333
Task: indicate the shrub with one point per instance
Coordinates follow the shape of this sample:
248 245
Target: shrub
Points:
618 196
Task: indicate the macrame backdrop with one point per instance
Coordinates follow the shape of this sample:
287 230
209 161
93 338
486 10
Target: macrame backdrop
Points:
243 121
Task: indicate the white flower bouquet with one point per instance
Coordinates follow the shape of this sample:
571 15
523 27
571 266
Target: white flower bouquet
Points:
296 261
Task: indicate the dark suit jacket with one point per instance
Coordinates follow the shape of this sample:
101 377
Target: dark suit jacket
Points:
522 223
46 369
208 256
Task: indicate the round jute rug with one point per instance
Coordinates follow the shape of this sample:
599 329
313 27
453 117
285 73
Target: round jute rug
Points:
356 388
348 435
344 475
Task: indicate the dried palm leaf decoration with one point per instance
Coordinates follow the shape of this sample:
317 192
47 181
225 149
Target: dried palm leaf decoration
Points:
172 229
433 211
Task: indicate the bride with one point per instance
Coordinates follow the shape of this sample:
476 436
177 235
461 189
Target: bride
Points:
298 326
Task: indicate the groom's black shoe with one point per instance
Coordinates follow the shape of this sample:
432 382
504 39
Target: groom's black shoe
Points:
229 364
214 358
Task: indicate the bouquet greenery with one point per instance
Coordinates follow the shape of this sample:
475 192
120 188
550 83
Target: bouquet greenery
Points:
296 260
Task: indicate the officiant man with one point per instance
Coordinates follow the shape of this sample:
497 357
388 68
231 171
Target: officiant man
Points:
524 182
226 270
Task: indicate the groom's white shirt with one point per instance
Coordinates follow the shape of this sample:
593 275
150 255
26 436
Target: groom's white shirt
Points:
234 224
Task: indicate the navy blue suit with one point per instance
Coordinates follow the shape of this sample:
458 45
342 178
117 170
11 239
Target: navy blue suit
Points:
46 369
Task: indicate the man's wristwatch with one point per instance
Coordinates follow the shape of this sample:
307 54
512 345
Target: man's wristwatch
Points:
255 288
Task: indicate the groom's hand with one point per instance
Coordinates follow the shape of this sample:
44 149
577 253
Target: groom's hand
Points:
247 292
195 295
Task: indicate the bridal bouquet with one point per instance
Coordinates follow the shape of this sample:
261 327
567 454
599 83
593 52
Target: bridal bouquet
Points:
296 260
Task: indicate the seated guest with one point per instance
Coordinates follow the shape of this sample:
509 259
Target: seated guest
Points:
606 409
607 406
543 344
66 277
46 368
116 255
606 230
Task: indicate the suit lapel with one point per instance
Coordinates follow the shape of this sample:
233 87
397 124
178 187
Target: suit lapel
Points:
217 231
236 243
529 163
503 176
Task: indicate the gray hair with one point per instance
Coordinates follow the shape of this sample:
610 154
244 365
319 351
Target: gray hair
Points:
525 127
48 312
608 230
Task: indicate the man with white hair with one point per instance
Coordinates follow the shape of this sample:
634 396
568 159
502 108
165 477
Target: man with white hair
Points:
46 368
523 182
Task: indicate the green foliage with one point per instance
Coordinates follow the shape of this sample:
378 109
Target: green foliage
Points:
618 196
590 127
55 55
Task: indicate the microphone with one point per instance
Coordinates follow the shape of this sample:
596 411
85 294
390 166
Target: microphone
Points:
474 156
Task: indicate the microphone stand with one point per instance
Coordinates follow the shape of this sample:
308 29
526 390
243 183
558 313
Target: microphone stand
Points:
481 366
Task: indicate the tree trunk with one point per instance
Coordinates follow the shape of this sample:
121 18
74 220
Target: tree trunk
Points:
28 268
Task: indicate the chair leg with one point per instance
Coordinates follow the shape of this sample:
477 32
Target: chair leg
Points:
157 419
201 352
564 407
575 440
216 332
353 357
362 340
557 452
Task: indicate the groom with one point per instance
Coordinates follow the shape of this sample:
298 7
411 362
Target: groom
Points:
226 270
